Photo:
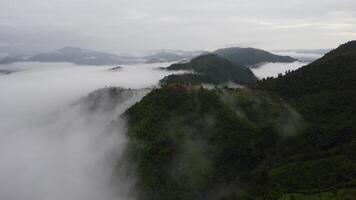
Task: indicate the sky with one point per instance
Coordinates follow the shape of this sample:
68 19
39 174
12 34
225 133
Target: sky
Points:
126 26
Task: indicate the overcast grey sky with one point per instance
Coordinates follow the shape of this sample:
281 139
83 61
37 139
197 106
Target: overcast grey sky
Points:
132 25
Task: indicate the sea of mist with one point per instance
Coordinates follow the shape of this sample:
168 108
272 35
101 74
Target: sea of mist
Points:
52 146
273 69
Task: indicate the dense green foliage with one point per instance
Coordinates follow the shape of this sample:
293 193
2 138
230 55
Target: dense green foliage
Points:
218 69
204 144
324 93
250 56
187 78
191 143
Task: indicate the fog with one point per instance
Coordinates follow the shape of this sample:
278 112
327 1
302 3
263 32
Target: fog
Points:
53 146
273 69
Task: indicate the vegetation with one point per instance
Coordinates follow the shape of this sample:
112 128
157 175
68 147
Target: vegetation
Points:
250 56
192 143
192 79
218 69
324 93
195 143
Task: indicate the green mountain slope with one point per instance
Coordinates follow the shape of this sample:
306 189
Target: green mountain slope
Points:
250 56
324 93
204 144
218 69
292 137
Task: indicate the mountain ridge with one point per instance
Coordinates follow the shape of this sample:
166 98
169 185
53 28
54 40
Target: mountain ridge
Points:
250 56
219 69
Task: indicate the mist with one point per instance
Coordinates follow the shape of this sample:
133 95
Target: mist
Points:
273 69
53 144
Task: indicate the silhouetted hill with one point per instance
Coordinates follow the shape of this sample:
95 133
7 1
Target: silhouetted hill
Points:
250 56
217 68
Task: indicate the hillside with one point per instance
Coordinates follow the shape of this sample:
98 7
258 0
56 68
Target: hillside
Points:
206 144
187 78
218 69
323 89
324 93
250 56
193 143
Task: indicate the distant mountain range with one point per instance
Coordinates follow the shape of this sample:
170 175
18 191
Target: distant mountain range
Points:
80 56
242 56
161 56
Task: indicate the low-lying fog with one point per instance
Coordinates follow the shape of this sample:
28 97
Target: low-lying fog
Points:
273 69
51 146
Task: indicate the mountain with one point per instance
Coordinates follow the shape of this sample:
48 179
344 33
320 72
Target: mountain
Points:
250 56
335 72
160 56
187 78
291 137
82 57
197 144
324 93
217 68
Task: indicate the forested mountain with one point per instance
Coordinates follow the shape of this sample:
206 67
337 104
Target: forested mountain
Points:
324 93
323 90
192 143
250 56
292 137
218 69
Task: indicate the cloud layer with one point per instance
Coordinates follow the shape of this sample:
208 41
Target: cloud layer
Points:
53 145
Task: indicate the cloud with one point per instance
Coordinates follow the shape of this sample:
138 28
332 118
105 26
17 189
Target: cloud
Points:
53 145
